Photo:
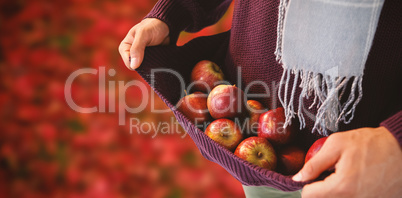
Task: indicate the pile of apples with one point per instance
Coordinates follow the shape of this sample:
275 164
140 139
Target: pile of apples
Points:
242 126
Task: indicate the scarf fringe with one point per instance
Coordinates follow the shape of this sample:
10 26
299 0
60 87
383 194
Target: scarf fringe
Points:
327 92
279 31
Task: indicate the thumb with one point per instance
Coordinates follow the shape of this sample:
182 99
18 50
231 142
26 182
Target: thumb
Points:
137 50
325 158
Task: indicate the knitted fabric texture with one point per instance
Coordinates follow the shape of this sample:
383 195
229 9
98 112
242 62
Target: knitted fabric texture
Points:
251 45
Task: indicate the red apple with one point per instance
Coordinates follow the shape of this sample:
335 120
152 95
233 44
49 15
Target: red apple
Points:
258 151
254 109
206 75
291 160
271 126
226 101
225 132
314 148
194 106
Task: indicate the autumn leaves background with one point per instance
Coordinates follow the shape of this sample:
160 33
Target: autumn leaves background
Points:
49 150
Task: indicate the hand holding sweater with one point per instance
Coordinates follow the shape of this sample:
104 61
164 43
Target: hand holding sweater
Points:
163 26
149 32
367 161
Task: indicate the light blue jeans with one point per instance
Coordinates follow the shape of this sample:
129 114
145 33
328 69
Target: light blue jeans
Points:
264 191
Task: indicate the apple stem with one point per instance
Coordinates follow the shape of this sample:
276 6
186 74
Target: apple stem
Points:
259 154
185 92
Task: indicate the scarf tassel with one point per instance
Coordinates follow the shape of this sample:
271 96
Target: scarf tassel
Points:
327 93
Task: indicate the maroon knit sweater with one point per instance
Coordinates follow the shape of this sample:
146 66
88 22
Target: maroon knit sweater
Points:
251 44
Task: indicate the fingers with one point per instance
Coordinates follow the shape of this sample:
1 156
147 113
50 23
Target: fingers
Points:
124 50
124 47
149 32
326 158
133 46
141 40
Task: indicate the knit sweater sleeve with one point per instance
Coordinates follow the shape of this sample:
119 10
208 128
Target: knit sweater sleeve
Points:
394 125
188 15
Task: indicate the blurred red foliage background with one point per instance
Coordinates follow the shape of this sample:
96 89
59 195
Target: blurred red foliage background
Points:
49 150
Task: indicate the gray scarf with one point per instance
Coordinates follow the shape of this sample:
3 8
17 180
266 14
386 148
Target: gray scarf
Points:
325 43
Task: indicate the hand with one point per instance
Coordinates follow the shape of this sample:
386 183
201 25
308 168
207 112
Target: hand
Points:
149 32
368 163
